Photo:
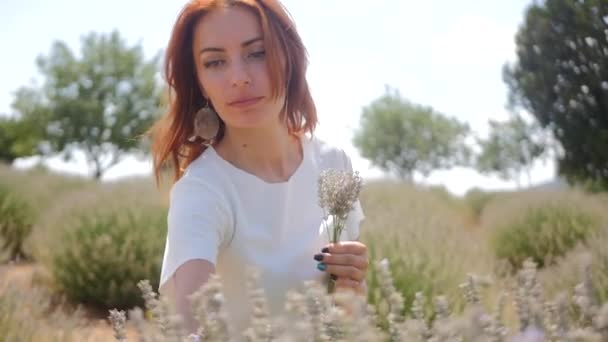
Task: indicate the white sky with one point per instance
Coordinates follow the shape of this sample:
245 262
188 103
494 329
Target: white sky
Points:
443 53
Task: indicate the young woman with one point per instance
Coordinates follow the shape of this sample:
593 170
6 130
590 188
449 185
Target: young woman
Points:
239 135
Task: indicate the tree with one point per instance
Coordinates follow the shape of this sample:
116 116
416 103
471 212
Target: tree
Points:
97 103
401 137
15 140
511 148
561 77
21 135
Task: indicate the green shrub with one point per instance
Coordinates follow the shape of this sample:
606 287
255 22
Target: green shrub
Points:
106 253
543 232
16 219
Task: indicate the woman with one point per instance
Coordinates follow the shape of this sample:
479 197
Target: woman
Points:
239 137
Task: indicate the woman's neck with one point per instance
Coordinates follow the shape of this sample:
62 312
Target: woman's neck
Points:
271 154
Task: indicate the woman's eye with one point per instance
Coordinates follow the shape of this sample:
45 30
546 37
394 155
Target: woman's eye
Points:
213 64
258 54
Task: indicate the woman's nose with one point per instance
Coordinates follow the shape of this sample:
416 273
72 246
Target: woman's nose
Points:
240 75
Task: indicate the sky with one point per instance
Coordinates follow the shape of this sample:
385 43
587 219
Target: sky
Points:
440 53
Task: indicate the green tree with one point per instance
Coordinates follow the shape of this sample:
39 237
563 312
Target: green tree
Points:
12 142
21 136
401 137
97 103
561 77
511 148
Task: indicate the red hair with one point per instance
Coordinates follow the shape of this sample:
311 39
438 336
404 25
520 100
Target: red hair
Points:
170 145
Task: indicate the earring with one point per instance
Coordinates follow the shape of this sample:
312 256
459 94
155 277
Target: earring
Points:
206 123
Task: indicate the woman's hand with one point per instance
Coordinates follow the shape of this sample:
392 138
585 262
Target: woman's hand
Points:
347 260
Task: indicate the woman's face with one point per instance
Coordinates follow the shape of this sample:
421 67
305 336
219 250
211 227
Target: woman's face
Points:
231 68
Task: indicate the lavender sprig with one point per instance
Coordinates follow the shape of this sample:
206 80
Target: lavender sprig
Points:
338 192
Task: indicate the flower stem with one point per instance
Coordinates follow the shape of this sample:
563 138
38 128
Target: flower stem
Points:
331 283
338 226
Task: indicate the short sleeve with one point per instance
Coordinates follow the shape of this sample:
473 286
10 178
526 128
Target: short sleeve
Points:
353 221
198 224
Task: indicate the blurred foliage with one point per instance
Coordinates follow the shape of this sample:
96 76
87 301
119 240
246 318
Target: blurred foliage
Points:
543 232
37 191
99 102
511 148
105 254
561 77
589 260
16 220
40 187
401 137
424 237
18 138
477 200
28 315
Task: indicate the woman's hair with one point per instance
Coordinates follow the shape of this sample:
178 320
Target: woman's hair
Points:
170 145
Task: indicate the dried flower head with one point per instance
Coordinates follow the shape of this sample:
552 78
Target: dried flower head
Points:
118 320
169 322
208 306
338 191
260 328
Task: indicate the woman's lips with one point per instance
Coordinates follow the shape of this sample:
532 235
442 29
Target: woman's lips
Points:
245 102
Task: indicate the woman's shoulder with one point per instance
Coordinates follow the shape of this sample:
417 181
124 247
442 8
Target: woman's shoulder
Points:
203 165
328 154
201 173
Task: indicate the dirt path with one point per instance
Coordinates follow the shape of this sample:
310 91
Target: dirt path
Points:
18 274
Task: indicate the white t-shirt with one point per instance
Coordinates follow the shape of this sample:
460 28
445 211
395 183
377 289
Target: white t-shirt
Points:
235 220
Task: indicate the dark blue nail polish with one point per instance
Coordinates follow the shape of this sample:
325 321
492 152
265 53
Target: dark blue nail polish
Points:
321 266
325 250
318 257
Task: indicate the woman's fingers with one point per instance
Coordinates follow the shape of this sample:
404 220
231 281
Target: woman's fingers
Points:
345 260
357 261
342 271
346 247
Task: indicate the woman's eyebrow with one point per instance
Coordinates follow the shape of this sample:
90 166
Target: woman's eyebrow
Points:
216 49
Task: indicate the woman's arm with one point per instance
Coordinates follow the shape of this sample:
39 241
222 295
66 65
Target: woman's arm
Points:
188 278
198 225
